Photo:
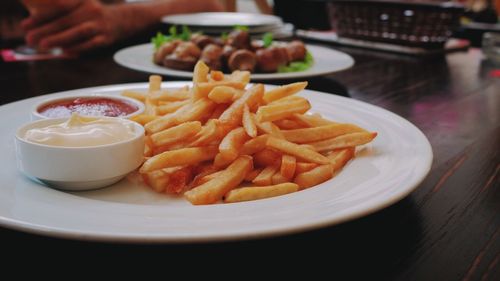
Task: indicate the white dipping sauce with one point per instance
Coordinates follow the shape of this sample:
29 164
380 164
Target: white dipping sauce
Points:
81 131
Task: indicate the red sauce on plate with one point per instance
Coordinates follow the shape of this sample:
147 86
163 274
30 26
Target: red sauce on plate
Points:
99 106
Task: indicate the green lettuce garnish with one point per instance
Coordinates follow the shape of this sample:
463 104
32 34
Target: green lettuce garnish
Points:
297 66
240 27
267 39
224 36
186 33
161 38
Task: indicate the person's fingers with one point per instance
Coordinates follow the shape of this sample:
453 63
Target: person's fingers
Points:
71 36
34 36
57 9
93 43
75 17
28 24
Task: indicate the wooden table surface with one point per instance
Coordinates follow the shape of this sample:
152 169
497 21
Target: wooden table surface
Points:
447 229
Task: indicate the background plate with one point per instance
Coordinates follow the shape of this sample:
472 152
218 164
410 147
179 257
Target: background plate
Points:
326 61
222 19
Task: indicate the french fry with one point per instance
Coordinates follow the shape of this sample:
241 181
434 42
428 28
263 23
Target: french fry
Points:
221 161
249 122
255 193
266 157
265 176
216 75
169 95
320 133
200 72
308 146
284 91
222 94
315 176
302 167
143 118
209 177
163 148
237 94
268 128
149 107
232 117
312 120
213 190
254 145
179 157
230 145
179 179
154 83
199 109
278 178
282 110
201 174
176 134
288 164
189 112
200 75
338 158
158 180
289 99
170 107
219 109
203 89
239 76
296 150
287 124
347 140
148 146
208 133
253 174
140 96
164 122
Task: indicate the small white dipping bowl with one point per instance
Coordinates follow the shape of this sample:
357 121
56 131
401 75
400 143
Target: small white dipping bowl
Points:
36 115
78 168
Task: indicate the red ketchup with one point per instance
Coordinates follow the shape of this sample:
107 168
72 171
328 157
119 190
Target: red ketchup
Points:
98 106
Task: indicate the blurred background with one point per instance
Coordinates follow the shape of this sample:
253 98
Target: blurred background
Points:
478 17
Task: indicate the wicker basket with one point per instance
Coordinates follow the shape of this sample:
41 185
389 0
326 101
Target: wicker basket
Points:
408 23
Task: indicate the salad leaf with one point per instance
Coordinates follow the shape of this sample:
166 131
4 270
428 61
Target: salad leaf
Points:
298 65
267 39
186 33
161 38
241 27
224 36
173 31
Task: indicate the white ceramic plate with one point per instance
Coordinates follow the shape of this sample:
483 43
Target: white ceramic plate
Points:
382 173
326 61
221 19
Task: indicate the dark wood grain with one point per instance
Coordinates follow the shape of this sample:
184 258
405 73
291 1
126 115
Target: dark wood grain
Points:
447 229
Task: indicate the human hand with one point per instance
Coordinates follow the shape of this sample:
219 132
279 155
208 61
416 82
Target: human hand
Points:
45 10
81 26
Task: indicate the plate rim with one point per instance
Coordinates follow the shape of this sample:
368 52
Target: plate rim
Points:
255 76
273 20
217 237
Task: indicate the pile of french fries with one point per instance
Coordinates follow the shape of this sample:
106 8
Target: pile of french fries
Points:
221 140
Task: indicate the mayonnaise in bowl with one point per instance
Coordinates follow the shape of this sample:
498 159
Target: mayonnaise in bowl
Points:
79 131
79 153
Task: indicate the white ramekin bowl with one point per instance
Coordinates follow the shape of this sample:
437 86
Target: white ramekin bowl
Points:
78 168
